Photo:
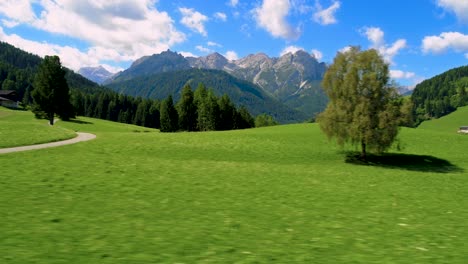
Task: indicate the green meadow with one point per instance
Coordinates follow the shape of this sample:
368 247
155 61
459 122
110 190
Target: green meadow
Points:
20 128
281 194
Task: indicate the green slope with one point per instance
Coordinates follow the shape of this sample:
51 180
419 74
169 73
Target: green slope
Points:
272 195
159 86
19 128
449 123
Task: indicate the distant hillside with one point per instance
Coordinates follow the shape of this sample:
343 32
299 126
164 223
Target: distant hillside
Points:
17 70
164 62
441 94
96 74
241 92
293 79
449 123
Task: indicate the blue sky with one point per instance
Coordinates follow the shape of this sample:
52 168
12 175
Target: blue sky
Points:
418 38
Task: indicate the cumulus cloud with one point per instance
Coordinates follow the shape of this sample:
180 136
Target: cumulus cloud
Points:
376 36
460 8
271 16
326 16
70 57
203 49
187 54
194 20
398 74
345 49
233 3
213 44
121 30
18 11
132 27
317 54
290 49
231 55
221 16
445 41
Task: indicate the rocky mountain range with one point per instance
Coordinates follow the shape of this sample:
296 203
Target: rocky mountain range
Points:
293 79
96 74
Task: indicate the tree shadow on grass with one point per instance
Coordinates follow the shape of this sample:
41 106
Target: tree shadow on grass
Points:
77 121
422 163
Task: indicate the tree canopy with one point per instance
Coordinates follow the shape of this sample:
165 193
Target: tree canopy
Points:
51 93
364 109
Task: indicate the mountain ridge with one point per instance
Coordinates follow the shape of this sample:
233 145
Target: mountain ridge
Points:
293 79
96 74
241 92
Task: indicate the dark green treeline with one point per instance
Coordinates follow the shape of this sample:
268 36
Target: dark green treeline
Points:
195 111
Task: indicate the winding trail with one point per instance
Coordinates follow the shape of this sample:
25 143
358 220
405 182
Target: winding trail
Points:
80 138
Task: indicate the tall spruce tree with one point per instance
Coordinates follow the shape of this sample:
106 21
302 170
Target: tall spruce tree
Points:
187 110
227 113
168 116
51 93
363 109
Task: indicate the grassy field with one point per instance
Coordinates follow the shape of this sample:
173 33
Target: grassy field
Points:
19 128
271 195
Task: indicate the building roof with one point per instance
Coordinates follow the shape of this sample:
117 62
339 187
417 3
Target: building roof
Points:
5 99
7 92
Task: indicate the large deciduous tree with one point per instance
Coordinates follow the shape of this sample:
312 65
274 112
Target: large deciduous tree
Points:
51 93
364 109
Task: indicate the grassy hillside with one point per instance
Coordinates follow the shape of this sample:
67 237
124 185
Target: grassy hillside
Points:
272 195
450 123
18 128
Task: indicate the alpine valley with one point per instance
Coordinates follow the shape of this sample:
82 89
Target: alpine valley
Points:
288 87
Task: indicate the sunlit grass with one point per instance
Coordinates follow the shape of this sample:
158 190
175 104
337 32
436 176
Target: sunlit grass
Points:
280 194
18 128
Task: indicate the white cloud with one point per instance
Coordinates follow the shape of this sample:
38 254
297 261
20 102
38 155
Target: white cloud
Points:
194 20
376 36
221 16
459 7
326 16
213 44
345 49
121 30
231 55
317 54
398 74
445 41
19 11
10 23
271 16
233 3
187 54
203 49
290 49
70 57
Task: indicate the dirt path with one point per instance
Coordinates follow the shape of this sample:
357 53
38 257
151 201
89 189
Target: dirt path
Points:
81 137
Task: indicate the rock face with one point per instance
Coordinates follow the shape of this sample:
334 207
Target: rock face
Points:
96 74
293 78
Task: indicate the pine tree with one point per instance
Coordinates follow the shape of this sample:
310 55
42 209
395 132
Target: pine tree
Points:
227 113
51 92
208 113
168 116
187 110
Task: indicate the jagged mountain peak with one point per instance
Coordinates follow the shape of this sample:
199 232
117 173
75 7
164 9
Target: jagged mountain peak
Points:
212 61
97 74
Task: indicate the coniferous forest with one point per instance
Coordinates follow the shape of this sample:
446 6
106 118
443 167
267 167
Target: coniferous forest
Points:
440 95
209 112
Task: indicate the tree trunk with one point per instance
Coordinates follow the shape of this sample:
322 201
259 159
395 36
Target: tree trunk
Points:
363 151
51 120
